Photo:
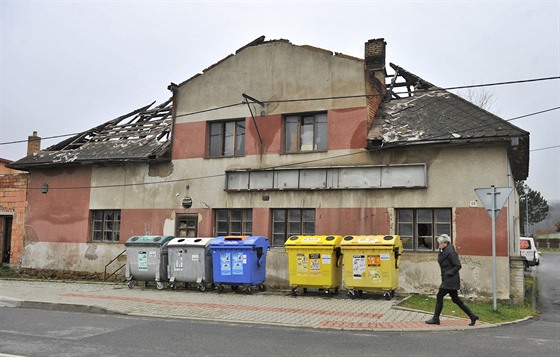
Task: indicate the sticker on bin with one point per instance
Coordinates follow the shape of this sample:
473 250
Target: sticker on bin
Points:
385 257
179 264
310 239
358 266
315 265
225 263
195 258
368 240
326 258
237 263
142 261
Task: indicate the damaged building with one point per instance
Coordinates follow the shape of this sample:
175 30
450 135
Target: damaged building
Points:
280 139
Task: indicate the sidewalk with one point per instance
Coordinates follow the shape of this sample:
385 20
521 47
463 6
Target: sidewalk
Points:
370 312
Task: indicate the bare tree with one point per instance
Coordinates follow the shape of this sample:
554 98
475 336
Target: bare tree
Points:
479 96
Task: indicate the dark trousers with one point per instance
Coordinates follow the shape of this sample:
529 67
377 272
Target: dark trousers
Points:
455 298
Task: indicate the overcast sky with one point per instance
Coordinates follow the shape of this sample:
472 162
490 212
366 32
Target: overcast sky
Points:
67 66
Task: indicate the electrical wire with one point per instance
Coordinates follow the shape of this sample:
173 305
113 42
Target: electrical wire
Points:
333 98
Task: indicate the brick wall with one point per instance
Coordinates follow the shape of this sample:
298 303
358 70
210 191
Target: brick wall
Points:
13 202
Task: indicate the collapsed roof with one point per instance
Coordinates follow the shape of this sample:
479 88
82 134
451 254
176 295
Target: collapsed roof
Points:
430 115
143 135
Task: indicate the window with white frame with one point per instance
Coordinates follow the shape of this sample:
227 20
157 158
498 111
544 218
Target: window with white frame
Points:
305 132
106 225
289 222
420 227
233 222
227 138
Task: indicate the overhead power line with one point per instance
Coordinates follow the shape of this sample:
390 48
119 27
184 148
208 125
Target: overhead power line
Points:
338 97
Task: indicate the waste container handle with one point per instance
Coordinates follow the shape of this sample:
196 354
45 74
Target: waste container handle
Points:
397 255
338 256
259 255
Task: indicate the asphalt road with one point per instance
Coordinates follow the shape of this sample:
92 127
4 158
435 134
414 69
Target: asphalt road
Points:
26 332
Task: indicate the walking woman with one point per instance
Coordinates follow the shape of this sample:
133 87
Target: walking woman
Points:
450 280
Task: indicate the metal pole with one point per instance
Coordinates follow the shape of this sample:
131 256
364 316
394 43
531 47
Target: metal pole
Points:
495 305
527 214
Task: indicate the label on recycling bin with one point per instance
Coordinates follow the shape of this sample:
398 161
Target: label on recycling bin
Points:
385 257
358 266
237 259
301 260
195 258
326 259
142 261
225 263
315 264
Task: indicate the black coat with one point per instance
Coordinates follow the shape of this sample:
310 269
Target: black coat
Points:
450 265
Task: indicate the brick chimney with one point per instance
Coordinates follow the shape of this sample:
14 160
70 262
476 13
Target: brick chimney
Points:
33 143
374 71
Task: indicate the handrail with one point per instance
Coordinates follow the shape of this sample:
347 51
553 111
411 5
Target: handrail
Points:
105 277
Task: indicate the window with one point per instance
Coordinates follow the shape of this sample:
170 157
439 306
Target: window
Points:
106 226
236 222
288 222
186 225
227 138
306 132
419 228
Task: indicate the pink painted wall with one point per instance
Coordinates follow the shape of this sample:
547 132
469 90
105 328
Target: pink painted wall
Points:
347 221
61 214
474 232
346 130
189 140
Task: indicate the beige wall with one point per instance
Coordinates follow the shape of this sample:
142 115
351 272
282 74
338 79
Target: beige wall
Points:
272 71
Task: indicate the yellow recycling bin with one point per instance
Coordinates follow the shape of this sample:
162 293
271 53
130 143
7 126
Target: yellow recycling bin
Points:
371 263
314 262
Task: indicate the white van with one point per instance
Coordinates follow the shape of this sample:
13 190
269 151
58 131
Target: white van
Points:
529 251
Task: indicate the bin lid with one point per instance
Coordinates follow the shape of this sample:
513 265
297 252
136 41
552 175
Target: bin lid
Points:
378 240
190 242
148 240
258 241
328 240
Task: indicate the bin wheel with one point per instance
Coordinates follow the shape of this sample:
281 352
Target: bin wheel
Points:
262 287
360 292
145 284
294 292
220 288
392 293
234 287
213 286
352 293
305 290
159 285
335 291
173 286
249 290
130 284
201 287
387 295
187 285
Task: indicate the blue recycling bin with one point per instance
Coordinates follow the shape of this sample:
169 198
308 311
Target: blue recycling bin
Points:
239 261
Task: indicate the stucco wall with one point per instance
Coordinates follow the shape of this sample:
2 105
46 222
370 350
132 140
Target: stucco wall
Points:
268 72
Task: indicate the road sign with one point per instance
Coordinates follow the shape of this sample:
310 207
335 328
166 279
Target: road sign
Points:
493 198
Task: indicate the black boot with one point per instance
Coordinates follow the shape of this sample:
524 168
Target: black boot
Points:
473 319
434 321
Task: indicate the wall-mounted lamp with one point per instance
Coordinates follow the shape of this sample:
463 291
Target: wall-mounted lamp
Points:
265 197
44 188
